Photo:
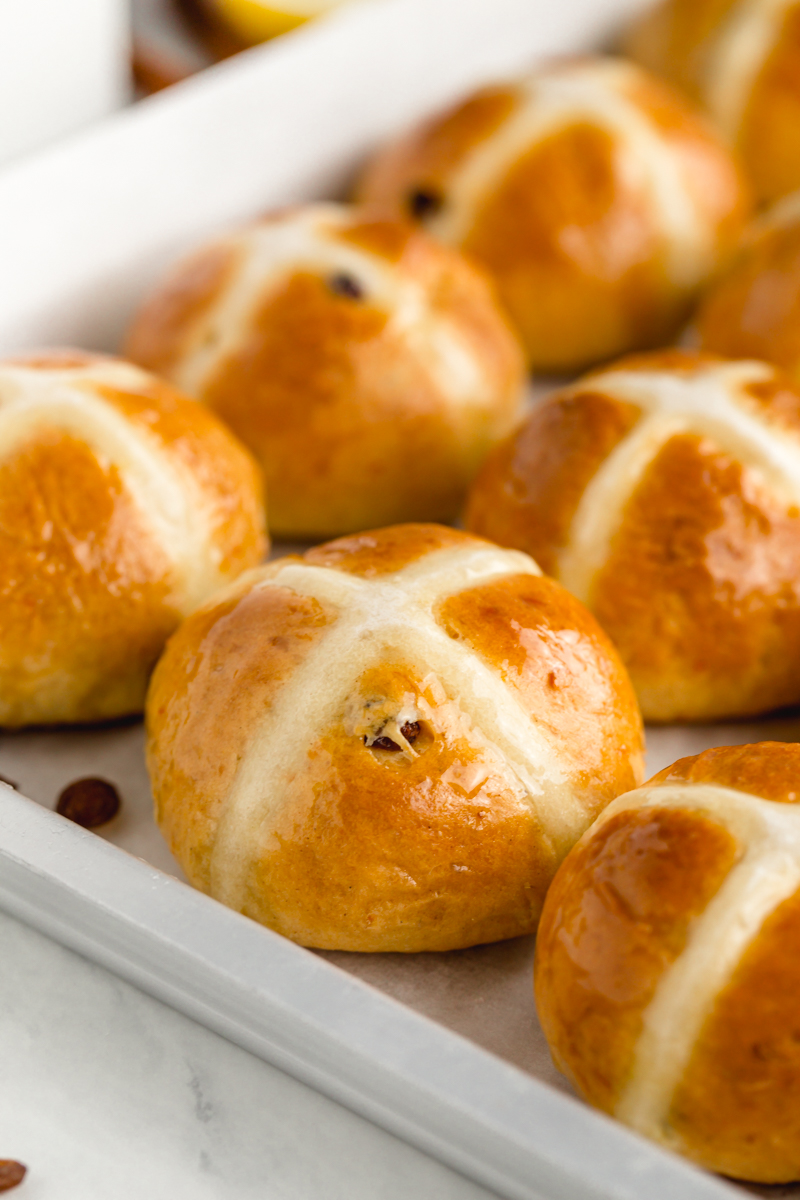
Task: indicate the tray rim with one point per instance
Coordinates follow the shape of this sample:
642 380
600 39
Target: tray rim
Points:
419 1080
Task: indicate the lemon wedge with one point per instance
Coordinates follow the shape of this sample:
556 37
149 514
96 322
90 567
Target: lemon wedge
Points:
256 21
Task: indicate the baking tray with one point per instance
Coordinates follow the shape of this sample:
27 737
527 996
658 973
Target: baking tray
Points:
441 1050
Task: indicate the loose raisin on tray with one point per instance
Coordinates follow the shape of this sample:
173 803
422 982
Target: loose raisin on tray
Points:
89 802
11 1174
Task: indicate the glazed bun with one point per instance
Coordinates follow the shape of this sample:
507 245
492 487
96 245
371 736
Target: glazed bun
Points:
123 505
740 59
664 493
389 743
668 961
753 310
596 198
368 368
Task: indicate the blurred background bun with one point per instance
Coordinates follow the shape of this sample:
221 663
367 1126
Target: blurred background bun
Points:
368 368
596 197
740 59
753 309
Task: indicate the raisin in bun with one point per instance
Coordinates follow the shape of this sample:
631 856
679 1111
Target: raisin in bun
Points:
389 743
741 60
598 200
368 368
753 309
123 506
664 493
668 961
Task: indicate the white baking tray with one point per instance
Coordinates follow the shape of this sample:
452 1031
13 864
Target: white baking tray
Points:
83 231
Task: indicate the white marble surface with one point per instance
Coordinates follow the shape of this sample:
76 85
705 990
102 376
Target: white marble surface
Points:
108 1095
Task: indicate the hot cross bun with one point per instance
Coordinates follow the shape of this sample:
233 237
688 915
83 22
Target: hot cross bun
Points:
368 368
664 492
598 200
389 743
668 961
753 310
123 505
741 60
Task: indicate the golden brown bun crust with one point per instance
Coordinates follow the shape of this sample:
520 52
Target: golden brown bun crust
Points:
427 157
620 919
684 41
769 139
737 1109
338 842
247 647
90 590
617 915
354 418
529 488
673 39
698 587
125 608
578 254
753 311
372 554
768 769
695 518
160 333
512 625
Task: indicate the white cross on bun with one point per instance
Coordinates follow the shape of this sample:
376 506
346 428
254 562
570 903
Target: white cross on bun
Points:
668 961
599 201
664 492
741 60
368 368
123 506
389 743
